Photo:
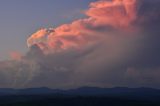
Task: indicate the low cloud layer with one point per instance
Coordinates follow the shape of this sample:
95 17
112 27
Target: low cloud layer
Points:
116 45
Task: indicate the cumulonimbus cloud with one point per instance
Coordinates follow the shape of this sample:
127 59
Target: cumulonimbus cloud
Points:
116 45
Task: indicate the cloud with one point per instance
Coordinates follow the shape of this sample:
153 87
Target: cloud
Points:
116 45
101 14
15 55
117 13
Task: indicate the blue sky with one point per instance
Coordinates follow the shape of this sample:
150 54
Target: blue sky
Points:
20 18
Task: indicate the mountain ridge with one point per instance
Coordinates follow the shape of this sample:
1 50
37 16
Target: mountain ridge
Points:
82 91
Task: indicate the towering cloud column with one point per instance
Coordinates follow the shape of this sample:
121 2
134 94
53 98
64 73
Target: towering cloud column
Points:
103 49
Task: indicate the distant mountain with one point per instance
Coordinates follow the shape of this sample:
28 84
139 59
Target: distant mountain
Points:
139 93
28 91
84 96
122 92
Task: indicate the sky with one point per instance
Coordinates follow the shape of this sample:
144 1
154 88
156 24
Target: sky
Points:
70 44
20 18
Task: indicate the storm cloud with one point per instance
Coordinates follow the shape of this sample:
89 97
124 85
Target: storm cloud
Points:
116 45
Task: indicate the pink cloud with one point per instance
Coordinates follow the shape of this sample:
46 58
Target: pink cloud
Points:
116 13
